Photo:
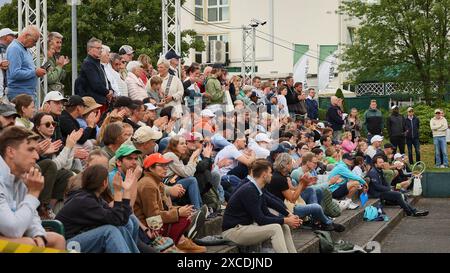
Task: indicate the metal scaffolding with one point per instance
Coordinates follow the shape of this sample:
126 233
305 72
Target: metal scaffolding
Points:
248 53
36 15
171 28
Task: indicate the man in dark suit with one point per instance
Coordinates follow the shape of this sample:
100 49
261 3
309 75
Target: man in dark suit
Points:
93 81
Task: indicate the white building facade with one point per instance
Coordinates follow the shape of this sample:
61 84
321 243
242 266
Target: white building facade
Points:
300 37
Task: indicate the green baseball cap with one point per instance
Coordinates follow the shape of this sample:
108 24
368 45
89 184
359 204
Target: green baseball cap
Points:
126 150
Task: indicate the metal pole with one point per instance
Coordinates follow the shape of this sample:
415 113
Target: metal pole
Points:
74 46
243 54
253 51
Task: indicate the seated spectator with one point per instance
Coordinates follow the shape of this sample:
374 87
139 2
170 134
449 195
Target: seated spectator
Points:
20 186
126 161
208 181
347 144
68 122
206 123
244 95
247 219
260 145
91 222
375 146
360 168
179 223
348 183
8 116
150 114
91 106
153 88
325 142
25 108
379 188
135 85
53 105
137 115
113 138
181 173
144 140
281 186
402 182
56 165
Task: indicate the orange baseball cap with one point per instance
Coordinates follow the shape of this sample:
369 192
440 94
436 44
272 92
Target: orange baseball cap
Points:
155 158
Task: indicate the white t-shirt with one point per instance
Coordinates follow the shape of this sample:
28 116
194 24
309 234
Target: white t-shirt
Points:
358 171
282 100
260 152
371 151
230 152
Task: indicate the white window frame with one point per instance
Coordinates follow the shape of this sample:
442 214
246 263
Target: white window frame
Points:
202 6
218 6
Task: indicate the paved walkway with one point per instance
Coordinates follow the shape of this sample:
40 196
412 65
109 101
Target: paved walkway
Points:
429 234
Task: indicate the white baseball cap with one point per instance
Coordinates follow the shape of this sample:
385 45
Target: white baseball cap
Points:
54 96
7 31
398 155
207 113
321 125
376 138
261 137
151 106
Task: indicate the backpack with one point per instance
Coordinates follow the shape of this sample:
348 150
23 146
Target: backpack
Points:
327 245
375 213
211 199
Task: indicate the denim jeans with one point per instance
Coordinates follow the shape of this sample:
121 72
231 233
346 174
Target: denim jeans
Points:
440 149
110 239
190 184
313 210
410 142
312 195
229 184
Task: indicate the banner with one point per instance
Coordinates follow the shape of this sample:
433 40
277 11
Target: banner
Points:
327 65
301 63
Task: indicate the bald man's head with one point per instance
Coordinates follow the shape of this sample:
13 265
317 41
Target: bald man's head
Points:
29 36
334 100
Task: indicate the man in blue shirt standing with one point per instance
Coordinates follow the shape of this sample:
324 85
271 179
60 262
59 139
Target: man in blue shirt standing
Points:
22 73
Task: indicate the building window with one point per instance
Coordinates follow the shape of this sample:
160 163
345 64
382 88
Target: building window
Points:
218 10
199 54
199 10
351 35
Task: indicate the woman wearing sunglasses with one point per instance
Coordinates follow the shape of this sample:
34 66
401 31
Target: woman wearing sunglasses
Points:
56 165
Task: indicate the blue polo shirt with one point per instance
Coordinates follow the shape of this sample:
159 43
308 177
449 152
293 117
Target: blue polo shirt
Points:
21 72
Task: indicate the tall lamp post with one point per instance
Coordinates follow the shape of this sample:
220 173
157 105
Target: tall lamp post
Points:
74 4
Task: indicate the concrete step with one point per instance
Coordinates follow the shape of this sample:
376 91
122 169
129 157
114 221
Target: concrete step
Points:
306 241
365 232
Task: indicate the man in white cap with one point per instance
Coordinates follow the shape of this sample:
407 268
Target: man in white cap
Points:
127 53
6 38
260 145
439 127
375 146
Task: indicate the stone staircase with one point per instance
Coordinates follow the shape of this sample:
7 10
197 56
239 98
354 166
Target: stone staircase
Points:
356 231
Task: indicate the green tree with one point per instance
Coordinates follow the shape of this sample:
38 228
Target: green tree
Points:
115 22
401 40
340 95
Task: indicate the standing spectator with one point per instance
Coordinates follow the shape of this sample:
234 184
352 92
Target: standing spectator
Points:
105 62
191 90
282 101
312 105
20 186
292 96
214 87
171 88
127 53
247 219
92 81
22 73
235 86
412 125
56 72
174 60
135 85
439 128
256 83
25 108
153 90
334 116
353 124
147 67
302 109
373 121
396 129
113 71
6 38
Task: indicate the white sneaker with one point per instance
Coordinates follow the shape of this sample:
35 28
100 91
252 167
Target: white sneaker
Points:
442 167
352 206
343 204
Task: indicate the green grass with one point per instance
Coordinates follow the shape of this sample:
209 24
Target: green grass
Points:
427 156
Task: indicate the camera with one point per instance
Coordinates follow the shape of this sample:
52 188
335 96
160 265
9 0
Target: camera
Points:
46 65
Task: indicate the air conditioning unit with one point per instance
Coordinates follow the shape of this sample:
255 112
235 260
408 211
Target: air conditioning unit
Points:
217 51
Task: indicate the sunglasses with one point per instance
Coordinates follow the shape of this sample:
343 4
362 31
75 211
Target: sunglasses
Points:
48 124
